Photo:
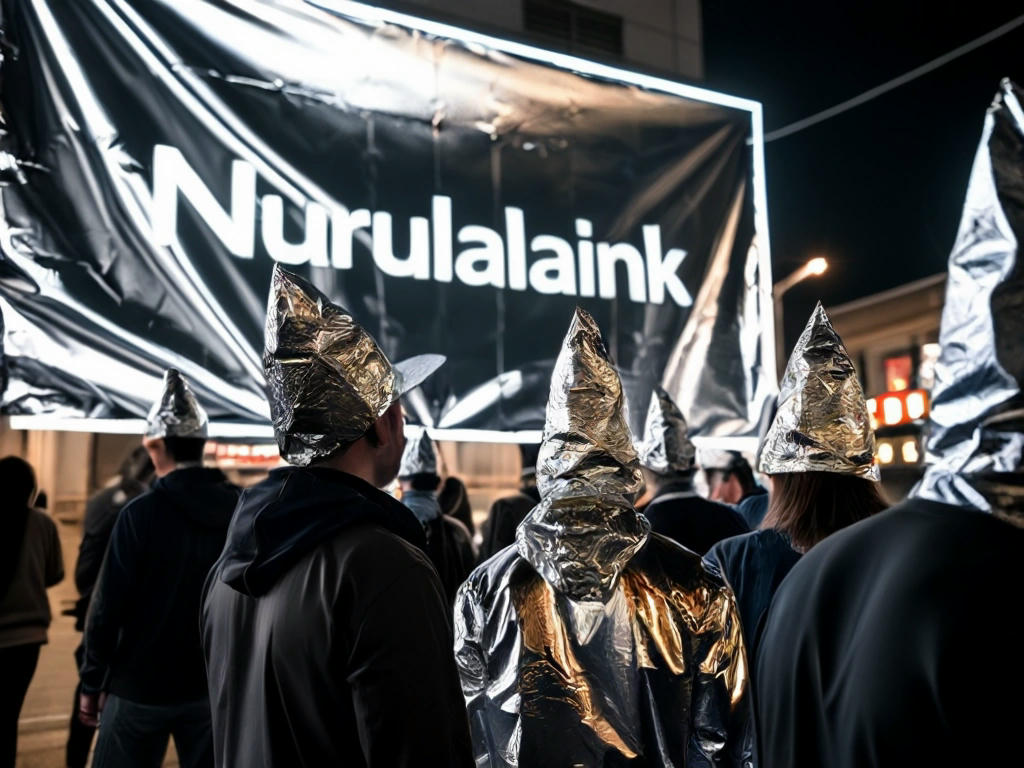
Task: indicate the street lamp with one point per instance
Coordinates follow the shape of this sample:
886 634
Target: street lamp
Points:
813 268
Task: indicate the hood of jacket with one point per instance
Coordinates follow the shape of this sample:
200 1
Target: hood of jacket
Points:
294 510
202 493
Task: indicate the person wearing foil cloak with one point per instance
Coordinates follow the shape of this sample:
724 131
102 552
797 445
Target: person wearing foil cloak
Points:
819 454
506 513
142 662
667 458
593 641
895 641
326 630
449 542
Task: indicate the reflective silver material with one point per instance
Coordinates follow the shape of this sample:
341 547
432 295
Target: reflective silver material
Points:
419 456
822 423
975 452
327 380
593 641
586 432
177 413
666 447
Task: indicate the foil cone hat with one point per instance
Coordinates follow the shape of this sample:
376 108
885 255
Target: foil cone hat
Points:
419 456
177 413
975 450
585 529
822 422
327 379
666 448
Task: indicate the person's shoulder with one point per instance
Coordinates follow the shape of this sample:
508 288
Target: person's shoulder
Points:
41 520
369 548
663 557
499 571
456 528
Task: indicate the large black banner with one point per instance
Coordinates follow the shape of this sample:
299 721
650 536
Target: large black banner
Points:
457 193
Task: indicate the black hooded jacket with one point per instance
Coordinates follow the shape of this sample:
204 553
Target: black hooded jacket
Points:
327 634
142 633
678 512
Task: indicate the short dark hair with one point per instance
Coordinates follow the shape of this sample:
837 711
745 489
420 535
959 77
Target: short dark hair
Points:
808 506
185 449
18 480
738 467
422 481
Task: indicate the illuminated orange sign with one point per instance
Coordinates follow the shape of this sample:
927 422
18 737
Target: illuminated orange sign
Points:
894 408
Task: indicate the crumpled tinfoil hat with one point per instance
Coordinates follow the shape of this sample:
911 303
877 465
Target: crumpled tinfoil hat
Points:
586 434
666 448
585 530
822 423
419 456
177 413
327 379
975 450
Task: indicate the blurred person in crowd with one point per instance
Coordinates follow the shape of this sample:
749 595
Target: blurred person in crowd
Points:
101 512
675 509
143 663
454 500
30 563
819 454
449 543
731 481
326 629
594 641
499 530
894 641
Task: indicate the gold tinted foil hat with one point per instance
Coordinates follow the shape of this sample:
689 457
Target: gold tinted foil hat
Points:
666 448
177 413
419 456
822 423
975 450
327 379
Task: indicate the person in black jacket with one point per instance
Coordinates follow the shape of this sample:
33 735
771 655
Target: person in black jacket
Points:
823 478
449 543
895 641
143 664
667 456
499 530
327 633
101 513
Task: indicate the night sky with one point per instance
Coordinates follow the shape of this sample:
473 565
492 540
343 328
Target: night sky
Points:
878 189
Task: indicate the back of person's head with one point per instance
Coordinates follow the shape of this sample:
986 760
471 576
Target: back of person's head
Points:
185 450
809 506
18 481
421 481
137 467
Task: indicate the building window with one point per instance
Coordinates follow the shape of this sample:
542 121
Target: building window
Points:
583 28
898 372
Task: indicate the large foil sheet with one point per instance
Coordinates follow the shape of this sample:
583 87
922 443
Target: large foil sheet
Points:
160 157
327 380
975 448
666 447
822 422
419 456
177 413
593 641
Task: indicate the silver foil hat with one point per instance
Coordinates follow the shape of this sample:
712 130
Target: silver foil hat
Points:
419 456
177 413
822 422
327 379
586 434
975 450
666 448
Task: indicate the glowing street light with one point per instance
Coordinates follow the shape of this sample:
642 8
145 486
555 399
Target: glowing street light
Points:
813 268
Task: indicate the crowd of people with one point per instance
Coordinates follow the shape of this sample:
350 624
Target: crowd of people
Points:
316 619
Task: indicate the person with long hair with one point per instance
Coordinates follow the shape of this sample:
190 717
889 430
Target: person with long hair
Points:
819 455
30 562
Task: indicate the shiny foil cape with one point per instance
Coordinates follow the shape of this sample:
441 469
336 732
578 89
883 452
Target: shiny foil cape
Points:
975 452
666 448
592 641
419 456
177 413
327 380
822 422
